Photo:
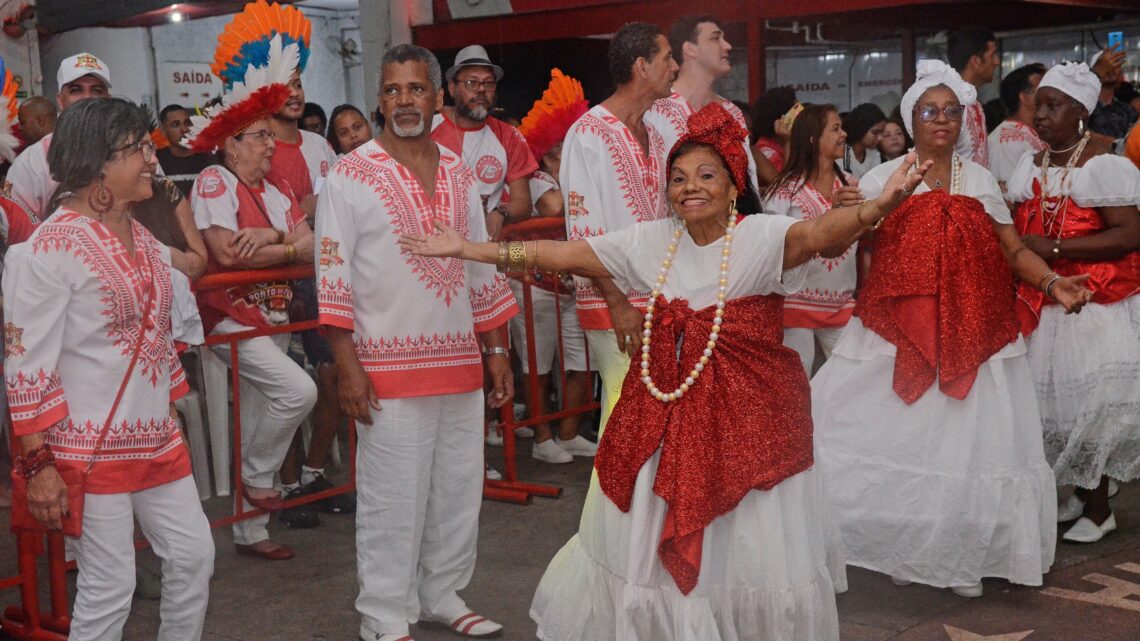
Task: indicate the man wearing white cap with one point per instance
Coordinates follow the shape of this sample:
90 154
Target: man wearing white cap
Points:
494 150
29 180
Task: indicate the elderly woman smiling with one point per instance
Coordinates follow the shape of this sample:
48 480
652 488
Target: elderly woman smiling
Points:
671 482
91 372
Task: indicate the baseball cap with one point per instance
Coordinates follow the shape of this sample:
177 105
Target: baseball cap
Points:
79 65
473 56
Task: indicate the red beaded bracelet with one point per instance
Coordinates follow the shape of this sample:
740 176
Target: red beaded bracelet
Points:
34 461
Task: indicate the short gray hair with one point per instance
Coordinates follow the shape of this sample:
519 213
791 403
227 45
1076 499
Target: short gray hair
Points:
412 53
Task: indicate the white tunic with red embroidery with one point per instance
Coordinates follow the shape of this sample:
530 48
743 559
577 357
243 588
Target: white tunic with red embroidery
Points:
1007 144
827 297
414 319
74 301
496 152
304 165
608 184
670 116
972 144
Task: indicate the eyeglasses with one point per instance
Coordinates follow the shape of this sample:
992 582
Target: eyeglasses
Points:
262 135
929 113
144 145
472 84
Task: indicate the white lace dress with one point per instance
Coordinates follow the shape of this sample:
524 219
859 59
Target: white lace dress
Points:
1087 366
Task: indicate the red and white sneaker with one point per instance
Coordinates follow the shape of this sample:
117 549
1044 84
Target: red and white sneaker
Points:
467 624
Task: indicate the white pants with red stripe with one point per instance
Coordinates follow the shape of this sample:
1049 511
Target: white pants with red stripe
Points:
171 518
419 482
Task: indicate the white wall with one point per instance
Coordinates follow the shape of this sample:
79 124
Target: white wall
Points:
133 55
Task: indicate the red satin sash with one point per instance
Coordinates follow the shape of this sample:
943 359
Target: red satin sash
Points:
1110 280
744 425
940 290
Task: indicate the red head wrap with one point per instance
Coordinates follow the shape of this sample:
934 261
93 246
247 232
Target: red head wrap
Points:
715 127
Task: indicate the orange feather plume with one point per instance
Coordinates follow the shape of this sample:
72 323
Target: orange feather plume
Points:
547 122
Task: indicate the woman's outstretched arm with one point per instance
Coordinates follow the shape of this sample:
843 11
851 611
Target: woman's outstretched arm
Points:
575 256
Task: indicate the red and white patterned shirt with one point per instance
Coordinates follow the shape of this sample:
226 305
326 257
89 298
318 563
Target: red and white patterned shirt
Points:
74 302
670 116
608 184
496 152
1007 144
972 143
413 318
827 297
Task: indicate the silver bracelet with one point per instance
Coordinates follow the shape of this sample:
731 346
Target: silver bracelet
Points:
496 350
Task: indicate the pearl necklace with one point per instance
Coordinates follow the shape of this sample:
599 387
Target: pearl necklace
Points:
721 295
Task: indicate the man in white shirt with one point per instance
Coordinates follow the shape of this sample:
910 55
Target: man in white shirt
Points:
701 49
494 150
972 51
1015 136
613 176
406 333
29 180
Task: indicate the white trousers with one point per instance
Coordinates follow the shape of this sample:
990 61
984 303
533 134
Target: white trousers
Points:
612 364
171 518
419 483
276 395
802 339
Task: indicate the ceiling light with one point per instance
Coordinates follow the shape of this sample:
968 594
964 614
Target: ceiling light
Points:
176 16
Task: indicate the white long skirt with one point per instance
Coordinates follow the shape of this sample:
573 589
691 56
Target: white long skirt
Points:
1087 369
942 492
769 572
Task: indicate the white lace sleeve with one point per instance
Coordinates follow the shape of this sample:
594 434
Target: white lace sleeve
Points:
1106 181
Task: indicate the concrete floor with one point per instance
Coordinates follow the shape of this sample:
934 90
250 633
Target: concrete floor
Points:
1091 594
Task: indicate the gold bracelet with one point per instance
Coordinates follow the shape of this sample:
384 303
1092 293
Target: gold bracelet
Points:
1041 281
516 256
859 213
502 262
290 253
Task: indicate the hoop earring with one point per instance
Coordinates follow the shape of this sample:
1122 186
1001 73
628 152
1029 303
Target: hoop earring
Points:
100 199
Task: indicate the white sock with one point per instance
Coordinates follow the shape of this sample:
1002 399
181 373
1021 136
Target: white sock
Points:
310 473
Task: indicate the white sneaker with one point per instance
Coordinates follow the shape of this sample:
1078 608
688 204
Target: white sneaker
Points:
494 439
491 474
579 446
550 452
968 591
899 581
467 624
1085 531
1071 509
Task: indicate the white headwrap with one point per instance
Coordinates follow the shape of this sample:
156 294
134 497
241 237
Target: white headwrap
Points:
1074 79
931 73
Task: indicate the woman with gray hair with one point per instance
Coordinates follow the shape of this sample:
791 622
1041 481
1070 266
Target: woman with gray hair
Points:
91 376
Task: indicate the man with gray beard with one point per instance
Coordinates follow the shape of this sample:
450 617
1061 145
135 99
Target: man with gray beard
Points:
407 333
494 150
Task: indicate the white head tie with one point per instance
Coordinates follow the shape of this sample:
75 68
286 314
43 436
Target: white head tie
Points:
931 73
1074 79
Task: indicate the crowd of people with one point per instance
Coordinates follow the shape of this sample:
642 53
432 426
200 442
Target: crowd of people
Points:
905 342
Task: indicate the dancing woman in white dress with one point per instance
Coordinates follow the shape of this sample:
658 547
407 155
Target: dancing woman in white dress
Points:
706 519
927 428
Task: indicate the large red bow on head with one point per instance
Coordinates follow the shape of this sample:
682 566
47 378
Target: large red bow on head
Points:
715 127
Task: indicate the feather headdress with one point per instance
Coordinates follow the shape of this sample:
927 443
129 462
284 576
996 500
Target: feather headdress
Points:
547 122
8 112
246 39
260 92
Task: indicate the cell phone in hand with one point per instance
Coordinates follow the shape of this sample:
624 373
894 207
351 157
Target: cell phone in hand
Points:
1116 40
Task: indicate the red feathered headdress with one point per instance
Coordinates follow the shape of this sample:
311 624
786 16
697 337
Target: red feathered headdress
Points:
552 116
715 127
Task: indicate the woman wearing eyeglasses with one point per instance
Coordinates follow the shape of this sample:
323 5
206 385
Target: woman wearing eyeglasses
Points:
92 372
926 423
250 223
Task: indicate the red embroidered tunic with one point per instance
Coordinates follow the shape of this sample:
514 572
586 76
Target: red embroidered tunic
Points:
413 318
74 300
940 290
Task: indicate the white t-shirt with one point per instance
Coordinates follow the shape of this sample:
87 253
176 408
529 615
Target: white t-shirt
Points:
633 256
977 183
858 169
